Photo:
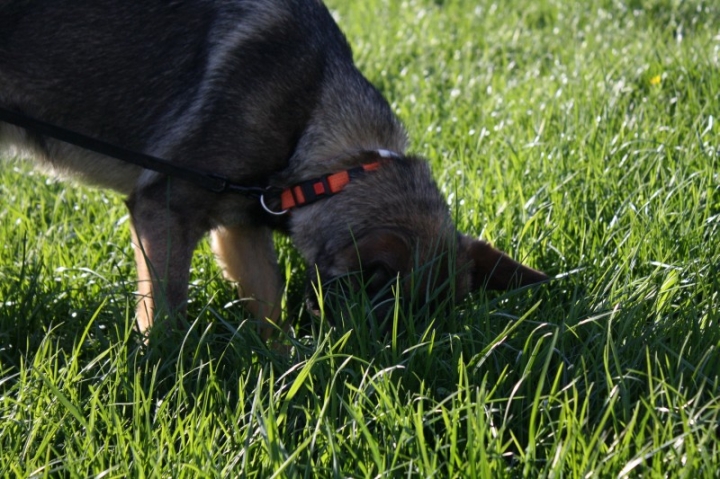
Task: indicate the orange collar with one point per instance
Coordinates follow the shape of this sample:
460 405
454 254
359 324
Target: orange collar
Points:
316 189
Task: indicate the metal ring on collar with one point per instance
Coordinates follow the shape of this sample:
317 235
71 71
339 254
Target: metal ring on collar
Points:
265 207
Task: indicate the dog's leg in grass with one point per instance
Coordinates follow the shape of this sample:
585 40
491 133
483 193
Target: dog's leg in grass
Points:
145 303
247 256
164 240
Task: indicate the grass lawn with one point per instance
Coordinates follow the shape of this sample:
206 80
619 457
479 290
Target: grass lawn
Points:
581 137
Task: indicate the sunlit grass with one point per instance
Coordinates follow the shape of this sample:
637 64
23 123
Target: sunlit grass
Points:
581 137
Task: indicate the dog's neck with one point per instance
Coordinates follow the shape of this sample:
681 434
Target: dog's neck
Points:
319 188
351 118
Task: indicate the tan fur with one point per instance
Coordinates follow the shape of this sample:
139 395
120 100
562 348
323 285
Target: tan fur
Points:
247 257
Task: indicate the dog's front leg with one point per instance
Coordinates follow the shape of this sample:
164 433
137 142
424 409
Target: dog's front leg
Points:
247 256
164 237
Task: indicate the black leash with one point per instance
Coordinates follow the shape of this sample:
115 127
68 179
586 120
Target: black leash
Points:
209 181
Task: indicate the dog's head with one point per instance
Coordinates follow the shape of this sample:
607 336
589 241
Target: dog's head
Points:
390 232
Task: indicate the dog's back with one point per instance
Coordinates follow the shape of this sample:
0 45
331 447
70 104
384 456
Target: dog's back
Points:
236 81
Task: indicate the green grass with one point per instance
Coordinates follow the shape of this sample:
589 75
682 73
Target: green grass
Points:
581 137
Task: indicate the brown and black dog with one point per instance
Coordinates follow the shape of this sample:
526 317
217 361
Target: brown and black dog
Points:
262 92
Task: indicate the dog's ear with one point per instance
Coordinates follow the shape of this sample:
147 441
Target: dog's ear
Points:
493 269
380 255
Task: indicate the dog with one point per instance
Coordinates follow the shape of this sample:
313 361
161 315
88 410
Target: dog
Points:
262 92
